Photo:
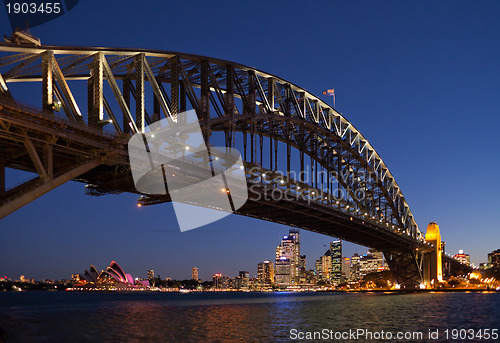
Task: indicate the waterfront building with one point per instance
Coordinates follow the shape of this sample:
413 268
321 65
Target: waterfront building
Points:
355 263
368 264
462 257
317 269
113 275
336 256
346 269
194 273
245 278
220 281
265 272
494 259
282 272
302 269
288 258
326 266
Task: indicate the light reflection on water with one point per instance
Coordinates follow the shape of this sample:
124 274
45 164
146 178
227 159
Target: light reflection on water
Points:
232 317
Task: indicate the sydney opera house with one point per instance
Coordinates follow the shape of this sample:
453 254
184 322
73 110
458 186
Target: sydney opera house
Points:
112 276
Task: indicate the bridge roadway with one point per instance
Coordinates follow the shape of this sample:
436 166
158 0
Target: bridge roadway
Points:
73 142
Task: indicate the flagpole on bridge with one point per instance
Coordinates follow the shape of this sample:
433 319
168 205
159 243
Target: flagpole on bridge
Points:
330 92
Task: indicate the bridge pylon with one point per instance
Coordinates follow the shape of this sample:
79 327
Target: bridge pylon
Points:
433 267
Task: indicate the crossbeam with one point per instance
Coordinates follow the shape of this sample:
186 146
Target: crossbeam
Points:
39 190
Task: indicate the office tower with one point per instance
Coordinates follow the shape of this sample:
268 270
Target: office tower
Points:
245 278
265 272
355 262
336 254
368 264
288 258
302 269
302 262
326 266
379 257
317 269
494 258
282 271
194 274
346 269
220 281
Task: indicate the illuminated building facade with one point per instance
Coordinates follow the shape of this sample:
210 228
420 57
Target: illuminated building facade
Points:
355 264
220 281
346 269
336 256
194 273
245 279
282 271
462 257
288 259
265 272
494 259
113 275
326 266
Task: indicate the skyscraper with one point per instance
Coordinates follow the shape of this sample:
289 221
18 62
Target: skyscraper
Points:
265 272
317 269
288 259
194 273
336 253
355 264
151 277
326 266
346 269
282 272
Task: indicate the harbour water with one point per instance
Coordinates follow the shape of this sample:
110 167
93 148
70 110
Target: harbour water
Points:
245 317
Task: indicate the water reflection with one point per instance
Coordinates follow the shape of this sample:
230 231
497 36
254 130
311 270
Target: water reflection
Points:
238 317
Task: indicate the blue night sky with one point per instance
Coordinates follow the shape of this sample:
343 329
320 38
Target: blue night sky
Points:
420 80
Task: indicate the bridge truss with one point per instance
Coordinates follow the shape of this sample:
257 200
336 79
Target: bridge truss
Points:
93 99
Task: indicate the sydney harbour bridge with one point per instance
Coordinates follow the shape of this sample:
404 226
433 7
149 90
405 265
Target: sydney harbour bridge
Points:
86 103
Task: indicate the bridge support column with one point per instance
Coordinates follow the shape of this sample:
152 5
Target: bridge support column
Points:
433 261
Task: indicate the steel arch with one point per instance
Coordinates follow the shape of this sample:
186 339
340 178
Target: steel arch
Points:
227 96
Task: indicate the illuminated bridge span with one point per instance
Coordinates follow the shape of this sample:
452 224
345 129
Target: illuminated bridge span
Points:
93 99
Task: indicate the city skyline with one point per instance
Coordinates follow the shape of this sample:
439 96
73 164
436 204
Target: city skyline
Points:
288 255
412 93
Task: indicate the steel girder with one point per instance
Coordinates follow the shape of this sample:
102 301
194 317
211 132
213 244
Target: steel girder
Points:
228 97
